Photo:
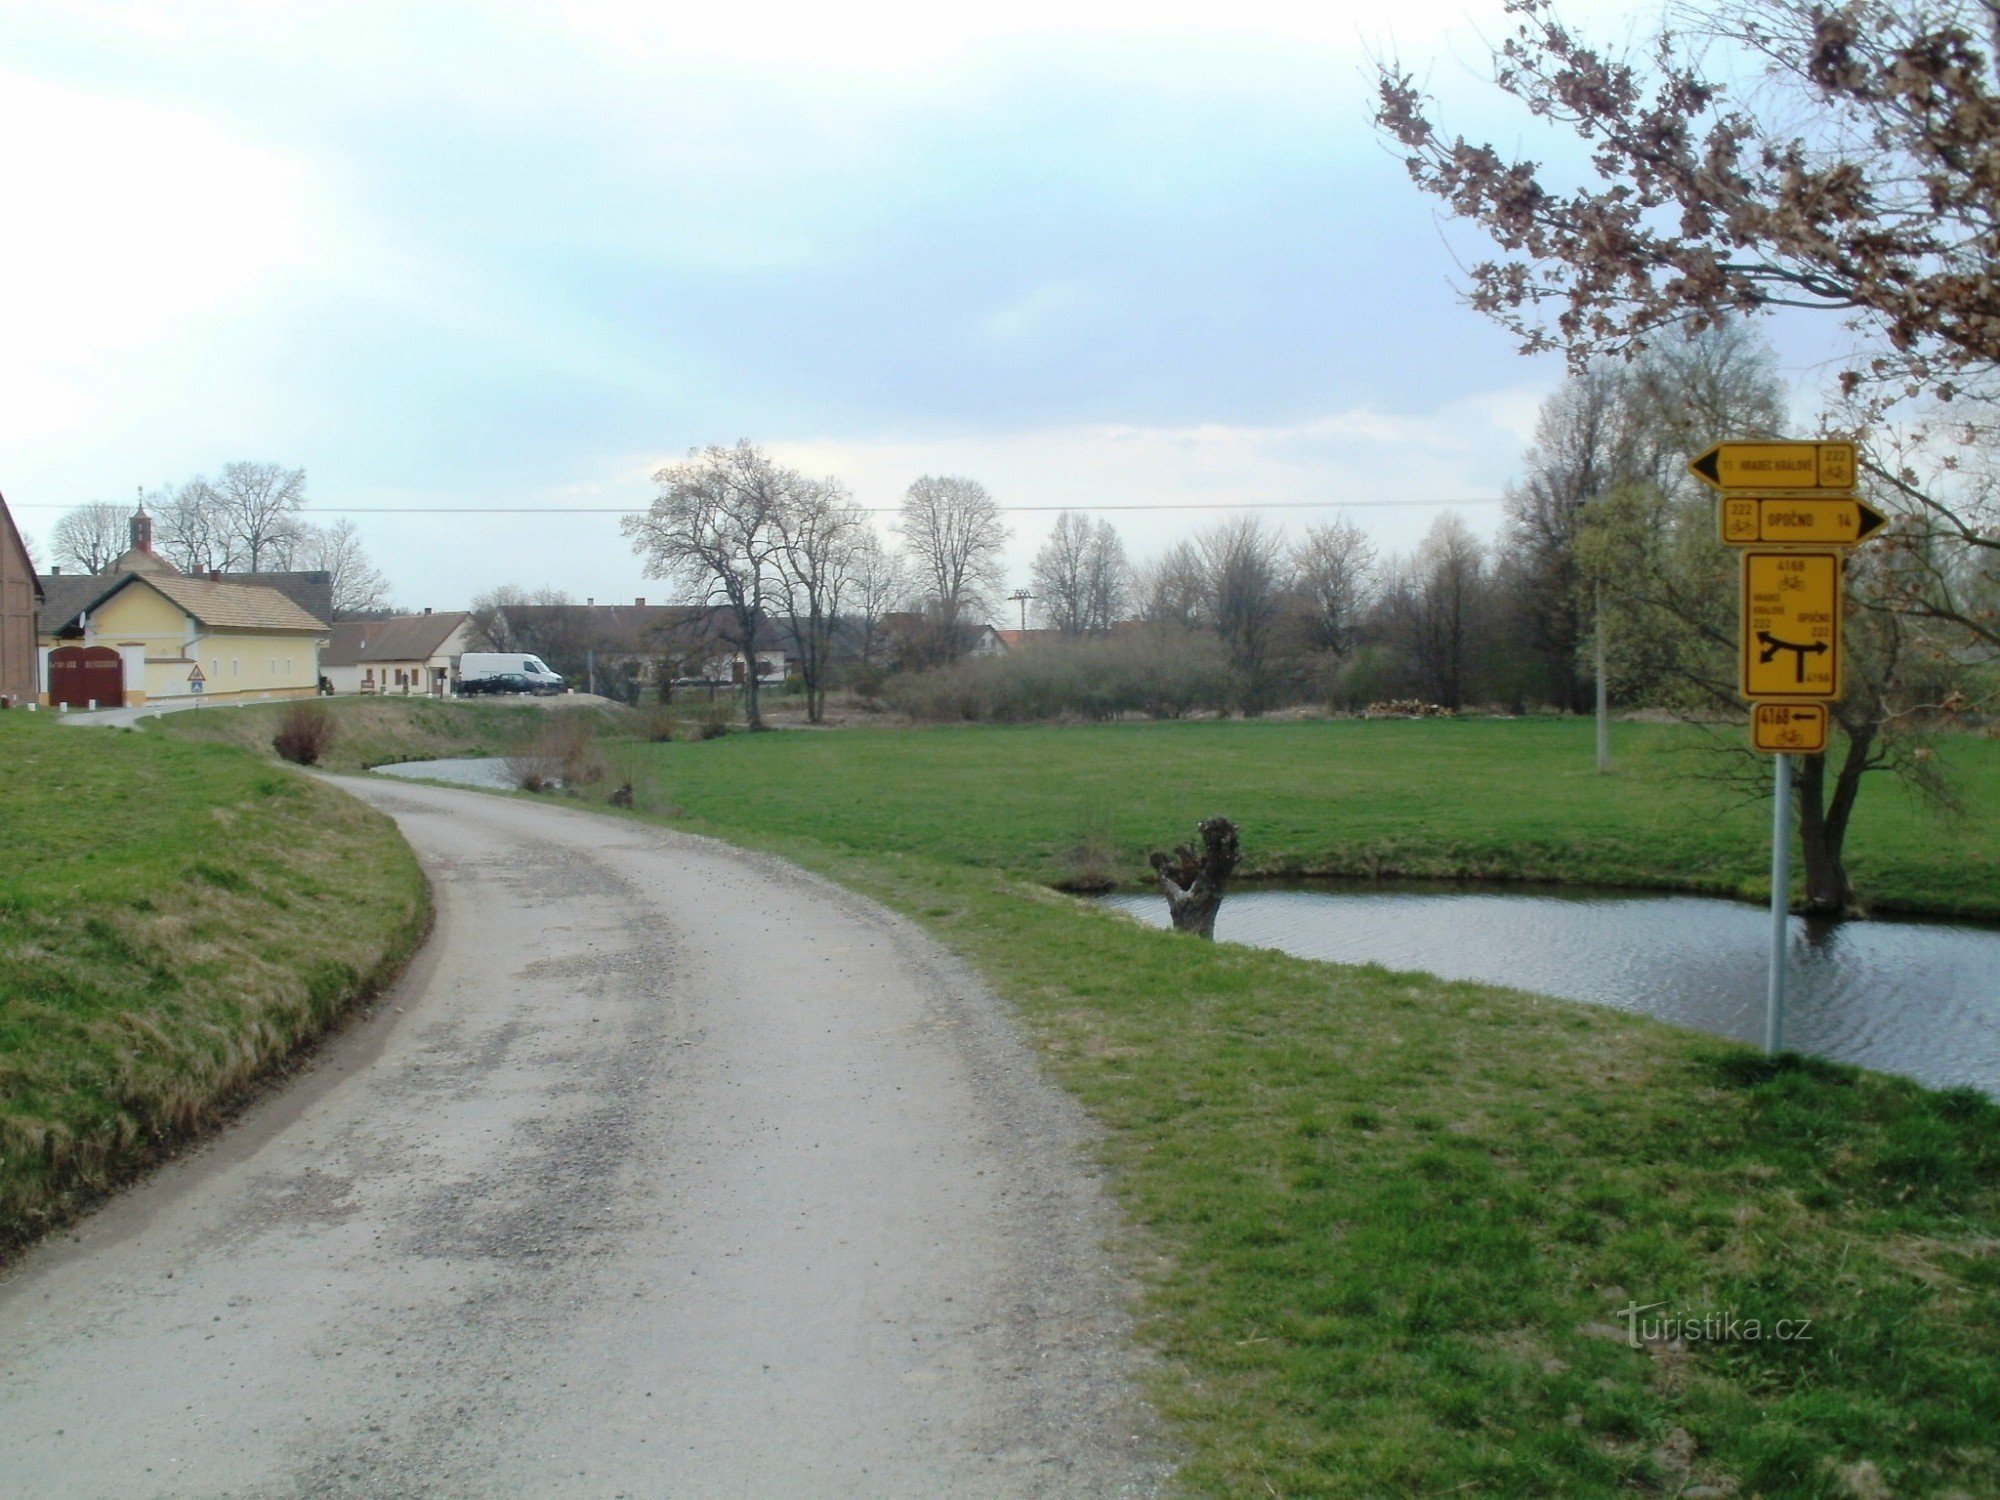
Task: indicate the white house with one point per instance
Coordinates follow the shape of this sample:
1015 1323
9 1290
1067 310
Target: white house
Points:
404 656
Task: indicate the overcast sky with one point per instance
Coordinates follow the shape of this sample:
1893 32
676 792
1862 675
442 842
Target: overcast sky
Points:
515 254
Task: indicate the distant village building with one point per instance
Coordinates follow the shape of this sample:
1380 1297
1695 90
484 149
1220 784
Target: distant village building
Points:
144 632
401 656
20 594
629 650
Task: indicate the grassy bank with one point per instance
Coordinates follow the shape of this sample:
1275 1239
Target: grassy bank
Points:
175 920
1388 1224
378 731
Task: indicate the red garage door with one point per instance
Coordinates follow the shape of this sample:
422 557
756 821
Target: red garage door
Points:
80 675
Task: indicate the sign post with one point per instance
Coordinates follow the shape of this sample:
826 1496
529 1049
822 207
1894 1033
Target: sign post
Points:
1791 507
1781 906
195 681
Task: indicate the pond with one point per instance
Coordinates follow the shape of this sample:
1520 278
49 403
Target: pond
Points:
1917 998
468 772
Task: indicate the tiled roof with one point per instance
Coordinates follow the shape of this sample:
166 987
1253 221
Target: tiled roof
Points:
234 606
400 638
67 595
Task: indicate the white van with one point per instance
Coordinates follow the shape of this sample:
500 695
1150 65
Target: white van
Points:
506 672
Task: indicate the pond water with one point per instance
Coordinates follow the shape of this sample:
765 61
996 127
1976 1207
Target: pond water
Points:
470 772
1917 998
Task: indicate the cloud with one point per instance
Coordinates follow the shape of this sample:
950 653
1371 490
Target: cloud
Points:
129 224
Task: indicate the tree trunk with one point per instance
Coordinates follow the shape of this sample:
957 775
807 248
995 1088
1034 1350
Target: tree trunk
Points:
1823 821
1194 879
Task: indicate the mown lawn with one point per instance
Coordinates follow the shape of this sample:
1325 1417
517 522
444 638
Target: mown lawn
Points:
175 921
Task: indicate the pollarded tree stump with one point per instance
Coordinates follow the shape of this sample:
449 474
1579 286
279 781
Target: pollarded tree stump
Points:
1195 879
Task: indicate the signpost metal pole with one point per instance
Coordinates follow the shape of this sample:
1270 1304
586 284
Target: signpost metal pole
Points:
1603 694
1781 891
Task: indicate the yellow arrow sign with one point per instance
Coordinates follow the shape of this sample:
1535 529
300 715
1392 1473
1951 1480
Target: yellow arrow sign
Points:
1788 728
1776 466
1818 520
1791 625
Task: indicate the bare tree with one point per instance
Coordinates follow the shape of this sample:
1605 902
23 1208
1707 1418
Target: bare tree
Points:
820 534
953 534
1173 591
881 584
1081 576
89 538
1333 573
715 529
1447 596
260 504
1244 563
193 531
358 585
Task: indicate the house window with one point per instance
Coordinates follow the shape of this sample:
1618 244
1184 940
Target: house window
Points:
235 668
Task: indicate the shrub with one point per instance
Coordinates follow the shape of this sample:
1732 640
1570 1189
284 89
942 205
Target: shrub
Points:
305 733
657 726
1163 674
711 724
562 753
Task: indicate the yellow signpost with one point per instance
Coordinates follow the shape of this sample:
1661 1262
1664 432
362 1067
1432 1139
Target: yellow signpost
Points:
1794 554
1776 466
1791 624
1789 728
1806 520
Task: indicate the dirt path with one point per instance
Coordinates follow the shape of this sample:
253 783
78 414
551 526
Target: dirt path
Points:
667 1171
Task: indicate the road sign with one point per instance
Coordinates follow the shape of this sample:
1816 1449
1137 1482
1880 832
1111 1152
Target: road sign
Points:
1776 466
1789 728
1816 520
1791 624
195 678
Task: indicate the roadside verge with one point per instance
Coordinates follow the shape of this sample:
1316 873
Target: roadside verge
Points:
178 922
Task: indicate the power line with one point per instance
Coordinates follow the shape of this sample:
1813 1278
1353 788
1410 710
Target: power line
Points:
873 510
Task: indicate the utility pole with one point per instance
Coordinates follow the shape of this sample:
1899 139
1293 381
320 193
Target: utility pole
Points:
1603 694
1021 597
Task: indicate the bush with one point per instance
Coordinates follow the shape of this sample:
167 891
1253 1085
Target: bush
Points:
562 753
305 733
657 726
1162 674
711 724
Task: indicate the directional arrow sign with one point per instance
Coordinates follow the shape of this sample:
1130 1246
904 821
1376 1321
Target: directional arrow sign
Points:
1776 466
1818 520
1791 625
1788 728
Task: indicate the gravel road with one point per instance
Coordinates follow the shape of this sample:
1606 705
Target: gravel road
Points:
667 1170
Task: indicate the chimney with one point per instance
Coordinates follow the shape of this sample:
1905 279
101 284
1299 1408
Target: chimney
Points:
640 601
214 574
142 530
56 571
427 609
590 604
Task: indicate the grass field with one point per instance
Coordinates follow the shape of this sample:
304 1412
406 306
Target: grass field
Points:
1386 1224
1495 799
175 921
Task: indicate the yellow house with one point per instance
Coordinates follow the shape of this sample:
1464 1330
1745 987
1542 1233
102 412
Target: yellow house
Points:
160 635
